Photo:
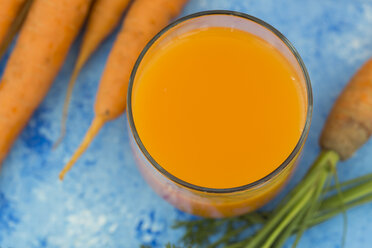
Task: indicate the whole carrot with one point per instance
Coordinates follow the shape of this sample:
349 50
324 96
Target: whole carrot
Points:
103 18
8 12
43 43
144 19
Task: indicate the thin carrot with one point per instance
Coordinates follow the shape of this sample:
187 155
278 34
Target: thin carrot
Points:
8 12
144 19
349 124
43 43
104 17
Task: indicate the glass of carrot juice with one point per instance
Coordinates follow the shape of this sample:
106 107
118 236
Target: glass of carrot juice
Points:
219 107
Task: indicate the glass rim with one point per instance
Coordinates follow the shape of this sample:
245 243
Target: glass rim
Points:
260 181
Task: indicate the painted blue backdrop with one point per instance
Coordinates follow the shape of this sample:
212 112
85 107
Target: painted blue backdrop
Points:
104 202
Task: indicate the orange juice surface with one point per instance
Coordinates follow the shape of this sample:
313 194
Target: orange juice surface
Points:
218 107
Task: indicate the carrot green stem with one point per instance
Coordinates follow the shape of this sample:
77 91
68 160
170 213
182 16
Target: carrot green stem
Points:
287 219
343 208
358 180
323 216
349 195
314 204
289 231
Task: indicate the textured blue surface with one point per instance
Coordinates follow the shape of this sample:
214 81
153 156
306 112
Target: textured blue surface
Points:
104 202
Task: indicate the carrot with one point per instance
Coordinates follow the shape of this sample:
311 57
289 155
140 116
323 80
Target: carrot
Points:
349 124
43 43
144 19
104 17
8 12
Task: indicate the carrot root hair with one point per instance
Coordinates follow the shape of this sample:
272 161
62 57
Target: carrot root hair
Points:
93 130
67 101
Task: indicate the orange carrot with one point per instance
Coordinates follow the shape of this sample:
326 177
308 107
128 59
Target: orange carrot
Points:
349 124
144 19
43 43
8 12
104 17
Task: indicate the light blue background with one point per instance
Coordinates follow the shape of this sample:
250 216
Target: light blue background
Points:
104 202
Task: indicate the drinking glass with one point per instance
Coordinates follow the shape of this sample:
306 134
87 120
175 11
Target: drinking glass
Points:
226 202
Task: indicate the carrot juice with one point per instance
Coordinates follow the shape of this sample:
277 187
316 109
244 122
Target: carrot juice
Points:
217 110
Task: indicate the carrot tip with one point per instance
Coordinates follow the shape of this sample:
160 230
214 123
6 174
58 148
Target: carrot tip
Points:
96 125
61 176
